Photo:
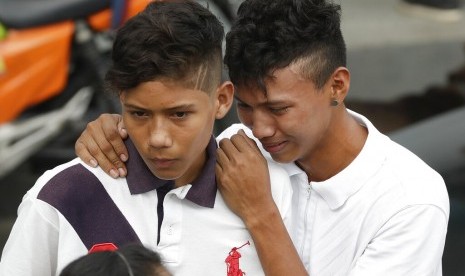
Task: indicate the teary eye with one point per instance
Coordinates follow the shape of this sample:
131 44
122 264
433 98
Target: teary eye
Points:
242 106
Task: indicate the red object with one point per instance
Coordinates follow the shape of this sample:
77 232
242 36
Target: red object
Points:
103 247
232 262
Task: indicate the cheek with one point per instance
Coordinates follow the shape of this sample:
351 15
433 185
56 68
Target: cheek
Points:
134 132
299 124
197 131
139 137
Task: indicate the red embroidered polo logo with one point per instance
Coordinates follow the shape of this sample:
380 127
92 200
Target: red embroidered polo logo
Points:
232 261
108 246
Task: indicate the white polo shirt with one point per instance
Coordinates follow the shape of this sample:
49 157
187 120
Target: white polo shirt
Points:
385 214
74 207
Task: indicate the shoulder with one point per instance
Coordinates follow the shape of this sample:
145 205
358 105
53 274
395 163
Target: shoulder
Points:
50 176
281 187
401 175
277 172
233 129
66 184
420 184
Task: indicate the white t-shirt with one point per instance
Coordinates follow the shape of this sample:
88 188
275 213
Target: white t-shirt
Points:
74 207
385 214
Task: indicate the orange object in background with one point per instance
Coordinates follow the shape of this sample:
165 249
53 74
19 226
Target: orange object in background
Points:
35 66
34 62
102 20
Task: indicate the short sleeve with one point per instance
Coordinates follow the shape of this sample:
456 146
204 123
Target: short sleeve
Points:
410 243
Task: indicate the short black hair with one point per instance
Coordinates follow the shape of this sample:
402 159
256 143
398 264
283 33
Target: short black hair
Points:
175 40
273 34
141 260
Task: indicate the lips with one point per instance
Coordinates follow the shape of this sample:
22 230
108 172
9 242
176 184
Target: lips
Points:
162 163
274 147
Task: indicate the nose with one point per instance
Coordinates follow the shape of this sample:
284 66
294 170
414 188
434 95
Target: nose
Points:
262 125
160 136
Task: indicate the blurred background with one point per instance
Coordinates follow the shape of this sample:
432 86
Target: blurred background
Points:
407 76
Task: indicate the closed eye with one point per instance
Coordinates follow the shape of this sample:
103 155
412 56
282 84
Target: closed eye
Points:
242 105
279 110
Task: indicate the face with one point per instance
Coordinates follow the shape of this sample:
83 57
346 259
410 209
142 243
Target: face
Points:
171 126
292 120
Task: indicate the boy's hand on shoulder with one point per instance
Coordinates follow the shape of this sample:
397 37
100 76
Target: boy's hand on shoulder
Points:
101 144
243 177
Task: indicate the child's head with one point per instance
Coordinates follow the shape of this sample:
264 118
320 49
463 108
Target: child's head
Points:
167 70
176 40
287 60
271 35
132 260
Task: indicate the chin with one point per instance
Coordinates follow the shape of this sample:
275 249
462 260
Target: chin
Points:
284 159
165 175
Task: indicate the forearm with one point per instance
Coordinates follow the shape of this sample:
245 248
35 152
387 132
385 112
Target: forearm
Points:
276 251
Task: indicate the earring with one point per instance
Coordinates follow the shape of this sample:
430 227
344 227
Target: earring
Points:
334 102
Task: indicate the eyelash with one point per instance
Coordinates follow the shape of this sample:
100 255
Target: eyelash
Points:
184 113
280 110
138 114
242 106
174 115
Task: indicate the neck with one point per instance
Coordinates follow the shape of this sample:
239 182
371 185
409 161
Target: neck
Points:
193 172
343 142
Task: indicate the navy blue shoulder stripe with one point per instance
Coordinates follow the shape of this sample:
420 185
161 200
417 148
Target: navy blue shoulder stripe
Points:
80 197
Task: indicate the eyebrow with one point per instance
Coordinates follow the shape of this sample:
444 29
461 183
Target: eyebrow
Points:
131 106
237 99
181 107
277 102
174 108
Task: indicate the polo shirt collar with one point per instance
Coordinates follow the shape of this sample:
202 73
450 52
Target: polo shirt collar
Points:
292 169
141 180
337 190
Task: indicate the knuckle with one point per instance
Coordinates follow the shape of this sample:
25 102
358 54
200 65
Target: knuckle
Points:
223 141
94 151
113 135
106 147
103 116
78 146
120 150
91 125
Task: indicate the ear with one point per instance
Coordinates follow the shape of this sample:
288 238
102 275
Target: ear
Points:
224 99
340 84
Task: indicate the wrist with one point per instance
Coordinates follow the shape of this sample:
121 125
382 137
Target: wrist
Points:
262 217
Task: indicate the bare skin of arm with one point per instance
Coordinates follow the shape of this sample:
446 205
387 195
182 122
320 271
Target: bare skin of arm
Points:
248 194
101 144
